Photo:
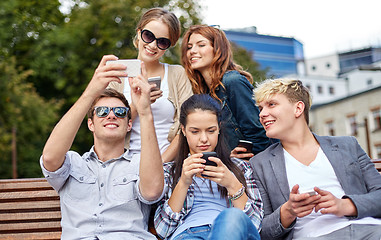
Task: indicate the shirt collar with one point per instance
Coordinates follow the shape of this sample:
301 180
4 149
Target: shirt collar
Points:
125 156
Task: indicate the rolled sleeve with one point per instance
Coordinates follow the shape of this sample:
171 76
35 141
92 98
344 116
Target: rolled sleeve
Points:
58 178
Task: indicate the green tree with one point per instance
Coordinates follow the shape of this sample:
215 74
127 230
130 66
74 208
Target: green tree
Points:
33 117
22 23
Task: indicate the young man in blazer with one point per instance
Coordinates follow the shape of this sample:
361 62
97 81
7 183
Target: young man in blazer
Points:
312 187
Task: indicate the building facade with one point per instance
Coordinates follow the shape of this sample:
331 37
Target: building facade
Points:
279 55
356 115
338 64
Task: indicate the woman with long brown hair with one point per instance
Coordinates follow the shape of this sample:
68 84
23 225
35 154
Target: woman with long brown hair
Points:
208 61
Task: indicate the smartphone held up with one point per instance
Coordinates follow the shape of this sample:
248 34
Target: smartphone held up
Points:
133 66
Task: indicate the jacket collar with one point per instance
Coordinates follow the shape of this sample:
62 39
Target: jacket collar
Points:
330 149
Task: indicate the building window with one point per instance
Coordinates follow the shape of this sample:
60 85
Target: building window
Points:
320 89
376 114
331 90
353 126
378 150
330 128
328 65
369 82
313 67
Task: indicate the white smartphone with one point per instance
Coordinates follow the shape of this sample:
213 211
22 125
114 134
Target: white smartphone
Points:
133 66
155 80
310 192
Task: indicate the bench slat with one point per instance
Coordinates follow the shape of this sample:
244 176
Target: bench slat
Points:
32 236
23 185
33 206
30 227
30 216
28 195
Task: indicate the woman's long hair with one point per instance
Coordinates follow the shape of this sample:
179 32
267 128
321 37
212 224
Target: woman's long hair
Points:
222 60
204 102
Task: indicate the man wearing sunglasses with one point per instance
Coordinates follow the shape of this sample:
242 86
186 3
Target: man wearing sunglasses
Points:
105 193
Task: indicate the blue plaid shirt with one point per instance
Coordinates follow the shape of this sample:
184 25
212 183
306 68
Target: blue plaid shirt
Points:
166 221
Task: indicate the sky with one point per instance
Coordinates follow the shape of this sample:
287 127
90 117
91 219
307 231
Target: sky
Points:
324 27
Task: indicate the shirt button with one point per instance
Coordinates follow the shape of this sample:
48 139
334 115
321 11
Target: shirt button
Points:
81 178
124 180
104 166
102 184
100 204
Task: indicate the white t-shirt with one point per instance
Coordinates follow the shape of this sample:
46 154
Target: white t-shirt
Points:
163 113
318 174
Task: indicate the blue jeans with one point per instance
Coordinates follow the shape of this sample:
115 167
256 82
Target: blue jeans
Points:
231 223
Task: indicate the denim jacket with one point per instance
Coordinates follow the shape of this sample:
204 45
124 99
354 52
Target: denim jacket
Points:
240 114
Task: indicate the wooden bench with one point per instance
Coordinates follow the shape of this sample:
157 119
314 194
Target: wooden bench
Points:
29 209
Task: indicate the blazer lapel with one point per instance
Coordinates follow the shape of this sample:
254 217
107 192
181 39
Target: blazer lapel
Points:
332 151
279 168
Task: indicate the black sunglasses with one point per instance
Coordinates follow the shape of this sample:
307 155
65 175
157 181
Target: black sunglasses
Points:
103 111
148 37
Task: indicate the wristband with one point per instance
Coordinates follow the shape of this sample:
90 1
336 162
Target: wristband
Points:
237 195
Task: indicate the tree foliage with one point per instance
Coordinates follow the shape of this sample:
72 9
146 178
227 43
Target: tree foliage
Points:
31 115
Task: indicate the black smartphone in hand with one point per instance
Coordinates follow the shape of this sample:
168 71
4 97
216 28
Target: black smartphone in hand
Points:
246 144
206 155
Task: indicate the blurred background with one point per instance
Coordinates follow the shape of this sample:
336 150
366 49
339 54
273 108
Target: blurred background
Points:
49 50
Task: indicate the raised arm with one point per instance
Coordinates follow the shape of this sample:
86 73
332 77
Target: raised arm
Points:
151 167
63 134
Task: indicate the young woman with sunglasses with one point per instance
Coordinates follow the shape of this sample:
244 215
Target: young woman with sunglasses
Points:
156 31
203 201
208 60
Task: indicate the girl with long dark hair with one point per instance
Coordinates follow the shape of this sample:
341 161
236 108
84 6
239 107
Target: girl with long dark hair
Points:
204 201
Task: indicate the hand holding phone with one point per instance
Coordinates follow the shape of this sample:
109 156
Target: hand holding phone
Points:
310 192
246 144
133 66
206 155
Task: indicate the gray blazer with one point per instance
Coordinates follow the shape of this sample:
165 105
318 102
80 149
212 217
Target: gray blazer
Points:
356 173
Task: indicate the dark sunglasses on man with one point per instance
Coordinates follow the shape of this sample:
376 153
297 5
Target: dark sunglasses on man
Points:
148 37
103 111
